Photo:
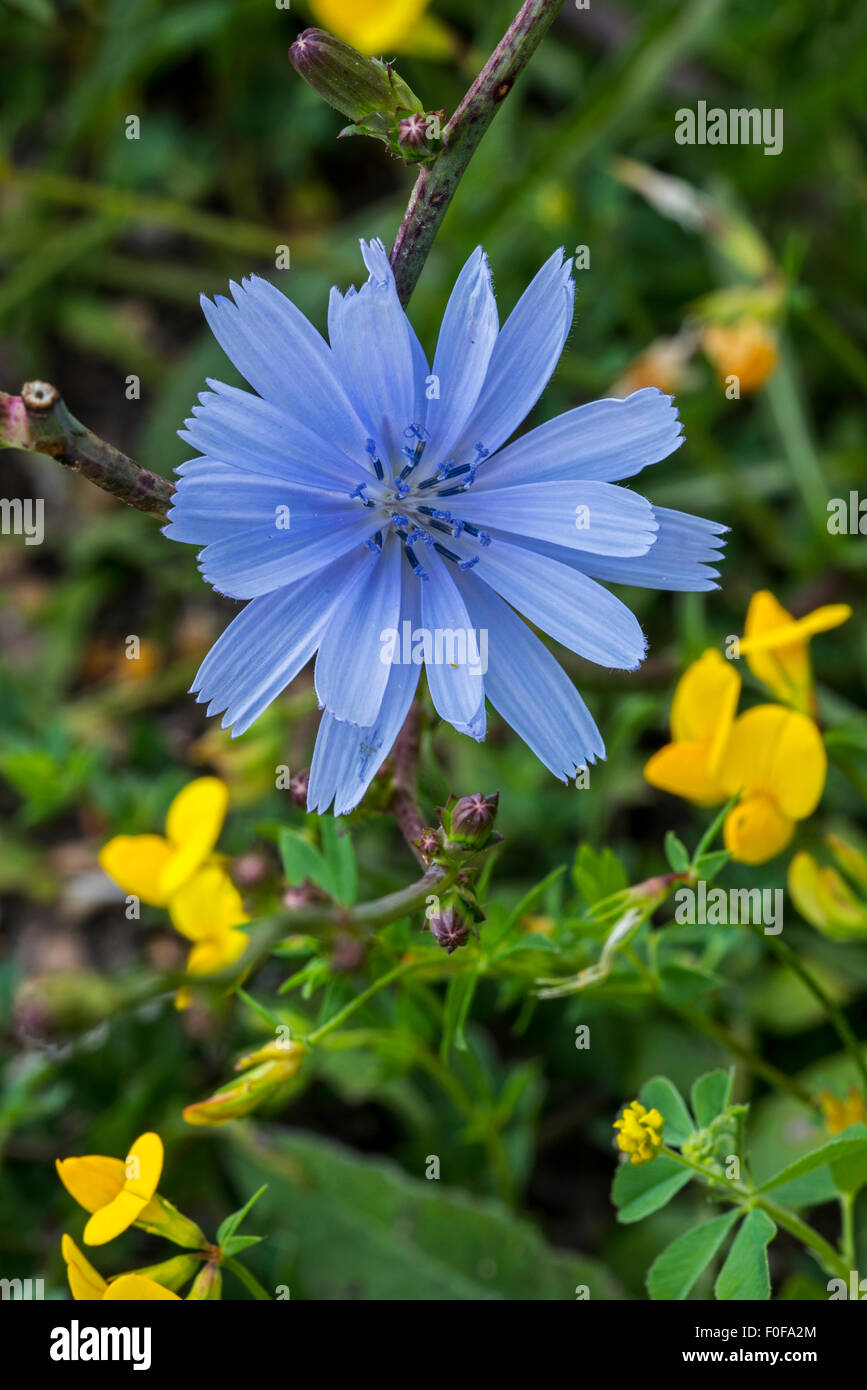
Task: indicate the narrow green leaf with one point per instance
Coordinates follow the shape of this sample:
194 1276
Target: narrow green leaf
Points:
710 1095
230 1224
745 1274
673 1273
676 853
848 1145
301 860
459 996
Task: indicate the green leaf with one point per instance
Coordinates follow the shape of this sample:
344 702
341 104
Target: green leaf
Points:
235 1244
680 982
710 1095
745 1273
676 853
459 997
642 1188
673 1273
229 1226
846 1146
598 876
661 1094
707 866
340 857
346 1226
301 860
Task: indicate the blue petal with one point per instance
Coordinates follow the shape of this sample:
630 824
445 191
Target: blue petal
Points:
375 354
239 428
466 341
283 357
265 647
214 500
595 517
255 562
525 354
346 759
458 691
350 674
530 689
605 440
681 558
563 602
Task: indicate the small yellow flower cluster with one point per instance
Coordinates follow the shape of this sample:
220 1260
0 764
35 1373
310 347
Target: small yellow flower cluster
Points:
181 872
639 1132
118 1194
840 1114
772 756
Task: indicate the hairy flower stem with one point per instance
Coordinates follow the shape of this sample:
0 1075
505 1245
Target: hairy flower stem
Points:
435 186
403 801
39 421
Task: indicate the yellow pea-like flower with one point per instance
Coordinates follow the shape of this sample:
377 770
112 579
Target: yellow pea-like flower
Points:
840 1114
378 28
825 898
702 715
776 759
776 646
116 1193
87 1285
639 1132
747 349
155 867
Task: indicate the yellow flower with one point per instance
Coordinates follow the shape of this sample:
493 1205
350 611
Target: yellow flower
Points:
180 872
702 714
116 1193
86 1284
378 28
776 646
776 759
155 867
640 1132
824 897
840 1114
747 350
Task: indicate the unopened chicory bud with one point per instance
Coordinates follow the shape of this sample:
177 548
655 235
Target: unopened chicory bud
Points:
361 88
449 929
469 820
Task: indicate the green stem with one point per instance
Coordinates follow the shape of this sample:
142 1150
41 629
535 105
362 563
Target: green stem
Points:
247 1279
435 186
751 1059
343 1014
847 1219
835 1014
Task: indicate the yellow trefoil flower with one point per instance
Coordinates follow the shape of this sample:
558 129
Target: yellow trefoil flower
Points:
117 1192
702 715
378 28
640 1132
86 1284
776 646
181 872
840 1114
776 759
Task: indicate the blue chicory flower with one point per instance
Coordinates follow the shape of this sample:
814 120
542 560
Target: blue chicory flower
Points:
363 497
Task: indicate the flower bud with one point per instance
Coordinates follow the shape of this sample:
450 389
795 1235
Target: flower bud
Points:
469 820
269 1069
366 90
448 928
208 1283
298 788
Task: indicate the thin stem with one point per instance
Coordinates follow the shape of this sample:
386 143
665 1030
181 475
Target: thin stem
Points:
835 1014
757 1064
847 1218
247 1279
403 801
435 186
343 1014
